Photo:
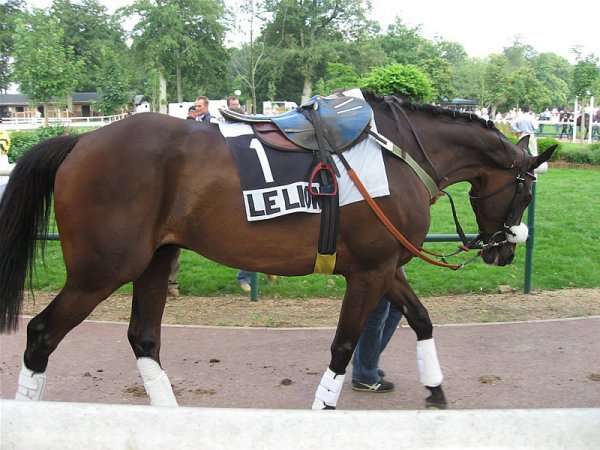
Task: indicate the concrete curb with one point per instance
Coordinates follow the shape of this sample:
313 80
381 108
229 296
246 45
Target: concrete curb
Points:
57 425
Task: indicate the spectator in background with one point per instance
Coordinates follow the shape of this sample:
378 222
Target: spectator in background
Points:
192 113
564 117
555 120
525 124
202 113
233 102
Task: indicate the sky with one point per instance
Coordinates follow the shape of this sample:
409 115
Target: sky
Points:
484 27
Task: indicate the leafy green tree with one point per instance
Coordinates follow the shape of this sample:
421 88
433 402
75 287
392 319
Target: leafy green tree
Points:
405 80
87 27
586 77
518 55
306 31
250 61
450 51
9 12
183 41
43 67
405 45
112 84
338 76
555 73
469 81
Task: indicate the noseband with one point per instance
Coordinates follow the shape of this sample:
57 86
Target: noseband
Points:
510 229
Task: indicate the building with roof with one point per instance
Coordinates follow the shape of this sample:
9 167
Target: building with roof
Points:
19 106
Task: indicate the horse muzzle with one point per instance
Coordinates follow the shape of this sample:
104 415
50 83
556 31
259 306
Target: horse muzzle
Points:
499 255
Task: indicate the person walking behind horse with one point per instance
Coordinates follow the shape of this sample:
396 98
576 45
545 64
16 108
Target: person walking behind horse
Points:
377 332
379 328
526 124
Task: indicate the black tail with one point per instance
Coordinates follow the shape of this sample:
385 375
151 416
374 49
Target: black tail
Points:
24 212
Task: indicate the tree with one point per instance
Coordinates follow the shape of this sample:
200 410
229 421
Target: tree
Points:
305 31
555 73
586 77
469 81
249 61
405 80
88 28
9 12
404 45
43 67
182 39
338 76
112 85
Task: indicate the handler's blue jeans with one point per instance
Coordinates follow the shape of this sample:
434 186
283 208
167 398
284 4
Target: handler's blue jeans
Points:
376 334
243 276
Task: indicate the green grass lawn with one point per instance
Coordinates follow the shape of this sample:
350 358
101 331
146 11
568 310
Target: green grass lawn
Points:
567 251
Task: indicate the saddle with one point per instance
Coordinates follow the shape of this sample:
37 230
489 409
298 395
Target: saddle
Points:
324 126
340 120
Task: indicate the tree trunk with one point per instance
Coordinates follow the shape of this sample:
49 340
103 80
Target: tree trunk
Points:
45 113
70 103
307 89
162 90
179 89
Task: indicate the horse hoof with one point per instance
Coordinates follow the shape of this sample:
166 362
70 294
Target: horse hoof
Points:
328 407
437 399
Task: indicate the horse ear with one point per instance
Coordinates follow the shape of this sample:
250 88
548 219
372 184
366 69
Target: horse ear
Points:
544 157
523 142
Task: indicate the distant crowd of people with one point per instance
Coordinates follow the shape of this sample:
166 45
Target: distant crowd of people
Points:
556 121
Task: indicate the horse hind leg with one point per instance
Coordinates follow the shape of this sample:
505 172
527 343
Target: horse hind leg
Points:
46 330
149 298
403 297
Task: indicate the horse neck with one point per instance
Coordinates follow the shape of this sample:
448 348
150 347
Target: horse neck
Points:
458 149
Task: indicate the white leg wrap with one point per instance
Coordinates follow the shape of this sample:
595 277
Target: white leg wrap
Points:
429 366
329 390
31 385
156 382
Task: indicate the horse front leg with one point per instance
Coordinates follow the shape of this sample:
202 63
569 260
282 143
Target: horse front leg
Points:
363 292
149 299
402 296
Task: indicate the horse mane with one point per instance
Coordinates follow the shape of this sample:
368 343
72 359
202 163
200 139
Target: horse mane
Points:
434 110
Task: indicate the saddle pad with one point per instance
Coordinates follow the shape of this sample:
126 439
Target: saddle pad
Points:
275 183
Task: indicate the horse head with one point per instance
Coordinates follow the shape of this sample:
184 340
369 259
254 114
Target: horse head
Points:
499 199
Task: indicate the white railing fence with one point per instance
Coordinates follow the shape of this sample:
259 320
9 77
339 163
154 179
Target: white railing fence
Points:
29 123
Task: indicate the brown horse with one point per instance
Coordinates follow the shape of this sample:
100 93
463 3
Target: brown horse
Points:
127 195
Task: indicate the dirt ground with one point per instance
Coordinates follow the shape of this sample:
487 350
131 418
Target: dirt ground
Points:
323 312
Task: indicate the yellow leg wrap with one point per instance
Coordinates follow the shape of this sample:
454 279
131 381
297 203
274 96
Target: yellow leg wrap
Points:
325 263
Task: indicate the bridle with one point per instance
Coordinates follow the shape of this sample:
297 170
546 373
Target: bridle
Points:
514 212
